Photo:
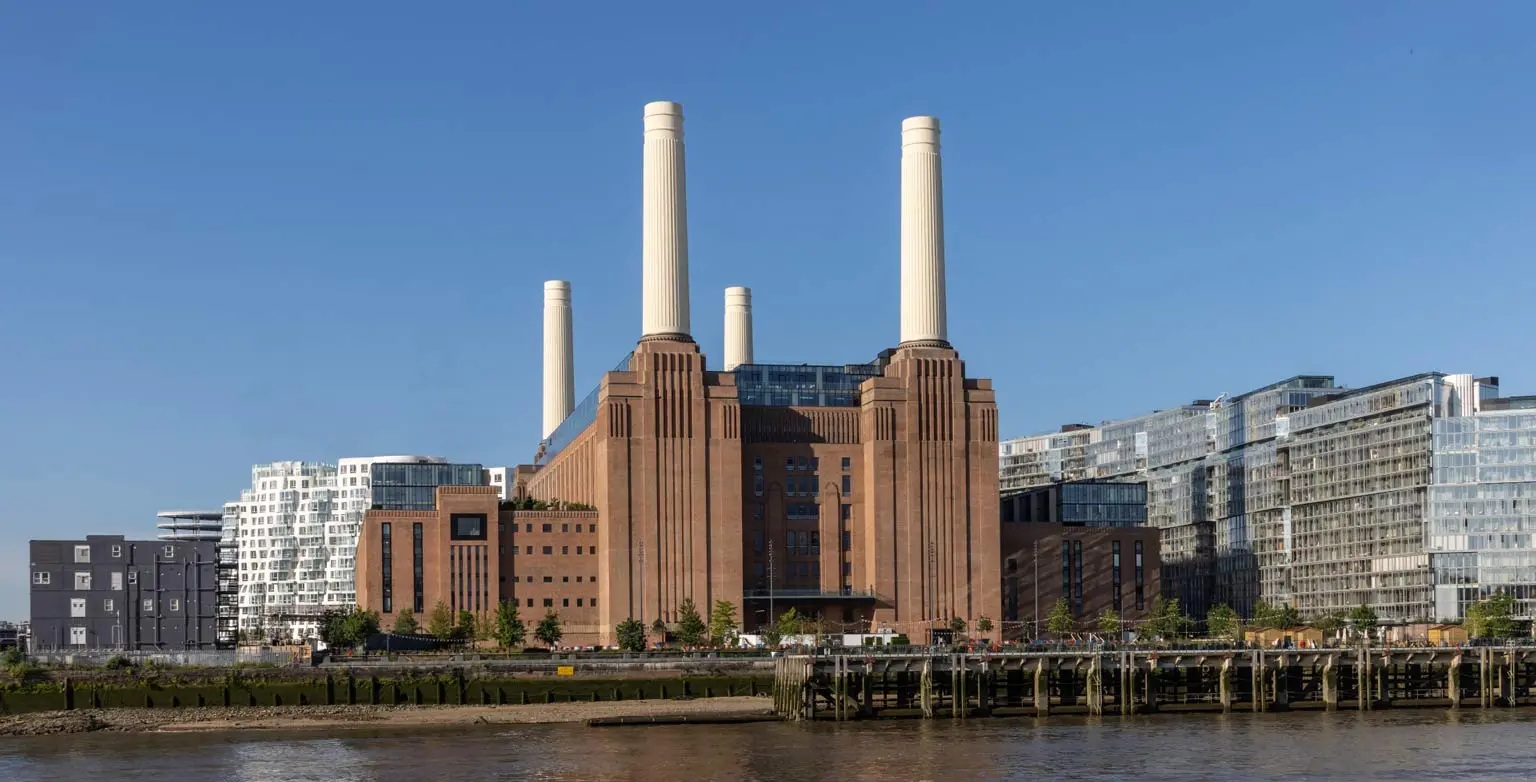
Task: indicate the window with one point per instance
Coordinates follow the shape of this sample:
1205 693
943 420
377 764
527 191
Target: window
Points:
107 606
148 606
814 462
847 485
549 528
42 578
567 550
757 541
566 603
800 462
549 602
757 485
566 528
530 602
418 577
757 464
592 528
175 605
847 462
468 526
1140 583
77 636
578 602
82 554
565 579
578 579
846 512
169 552
527 549
82 580
117 551
117 581
592 602
547 579
386 565
1114 568
530 579
789 462
847 540
133 576
528 528
549 549
578 527
77 607
1077 586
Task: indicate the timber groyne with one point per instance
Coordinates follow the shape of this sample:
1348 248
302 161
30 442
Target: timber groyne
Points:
854 685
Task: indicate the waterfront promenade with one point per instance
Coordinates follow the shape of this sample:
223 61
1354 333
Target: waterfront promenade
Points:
861 684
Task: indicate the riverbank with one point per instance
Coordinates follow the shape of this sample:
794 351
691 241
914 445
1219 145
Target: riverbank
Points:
363 716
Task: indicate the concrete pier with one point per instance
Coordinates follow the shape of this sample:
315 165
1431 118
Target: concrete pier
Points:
862 684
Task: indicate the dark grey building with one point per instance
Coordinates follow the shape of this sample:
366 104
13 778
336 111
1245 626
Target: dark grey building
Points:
106 592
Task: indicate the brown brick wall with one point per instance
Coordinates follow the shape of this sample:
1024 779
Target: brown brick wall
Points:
1031 544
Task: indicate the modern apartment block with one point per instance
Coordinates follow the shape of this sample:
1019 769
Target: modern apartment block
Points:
1312 495
863 493
296 530
108 592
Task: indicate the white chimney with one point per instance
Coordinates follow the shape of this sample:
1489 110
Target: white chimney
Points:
559 377
664 225
924 319
738 327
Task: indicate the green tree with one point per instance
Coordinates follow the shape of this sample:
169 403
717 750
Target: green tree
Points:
722 623
1267 616
405 622
1109 622
957 626
659 627
441 623
1165 620
1222 622
631 635
1331 622
791 623
1060 620
548 631
1491 617
1363 617
984 625
510 630
465 627
690 626
771 634
358 626
331 627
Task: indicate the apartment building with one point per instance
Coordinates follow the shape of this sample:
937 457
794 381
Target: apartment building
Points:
108 592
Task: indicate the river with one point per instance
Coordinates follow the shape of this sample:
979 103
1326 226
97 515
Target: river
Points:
1419 744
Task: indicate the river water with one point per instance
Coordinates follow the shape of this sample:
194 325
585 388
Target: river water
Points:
1419 745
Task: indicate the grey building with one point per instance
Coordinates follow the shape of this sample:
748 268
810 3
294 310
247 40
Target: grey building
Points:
107 592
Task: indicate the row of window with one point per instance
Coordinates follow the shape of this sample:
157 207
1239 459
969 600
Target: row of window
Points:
551 549
794 487
83 579
793 463
563 579
109 606
565 602
591 528
83 553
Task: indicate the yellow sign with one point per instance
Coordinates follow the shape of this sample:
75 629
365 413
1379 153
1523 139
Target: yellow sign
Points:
565 670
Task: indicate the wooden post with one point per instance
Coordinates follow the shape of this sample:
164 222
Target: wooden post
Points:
1042 689
1330 685
1095 687
1226 684
925 689
1453 681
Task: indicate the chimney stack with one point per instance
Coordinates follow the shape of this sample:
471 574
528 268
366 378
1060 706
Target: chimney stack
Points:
738 327
664 226
559 377
924 316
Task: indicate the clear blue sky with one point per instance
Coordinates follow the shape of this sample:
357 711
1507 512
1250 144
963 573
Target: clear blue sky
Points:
236 233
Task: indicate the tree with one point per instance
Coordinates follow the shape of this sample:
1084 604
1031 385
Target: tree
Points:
659 627
771 634
331 631
1165 619
1060 621
791 623
722 623
441 624
1491 617
1363 617
1109 622
690 626
358 626
984 625
465 628
1222 622
405 622
1275 617
631 635
957 626
510 630
548 631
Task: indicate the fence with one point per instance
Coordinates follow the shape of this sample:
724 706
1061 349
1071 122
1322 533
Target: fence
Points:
199 658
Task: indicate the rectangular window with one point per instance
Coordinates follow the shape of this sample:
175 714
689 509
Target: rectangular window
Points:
117 581
549 549
1114 566
847 540
169 552
1077 587
549 579
578 527
847 462
789 463
528 550
418 580
468 526
549 602
42 577
82 580
175 605
591 549
1140 582
549 528
82 554
1066 571
386 565
133 576
107 606
847 485
567 550
528 528
530 602
847 512
566 528
565 603
117 551
77 607
592 528
148 606
77 636
815 542
757 485
757 541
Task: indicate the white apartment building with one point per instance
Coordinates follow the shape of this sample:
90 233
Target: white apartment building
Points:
296 528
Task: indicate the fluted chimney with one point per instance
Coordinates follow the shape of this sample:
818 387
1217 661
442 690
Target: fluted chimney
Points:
559 378
924 316
738 327
664 225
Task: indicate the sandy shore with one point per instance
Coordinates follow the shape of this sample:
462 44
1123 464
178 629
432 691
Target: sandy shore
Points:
344 717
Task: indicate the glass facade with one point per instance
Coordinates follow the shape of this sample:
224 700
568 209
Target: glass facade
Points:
577 422
1482 510
802 385
413 486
